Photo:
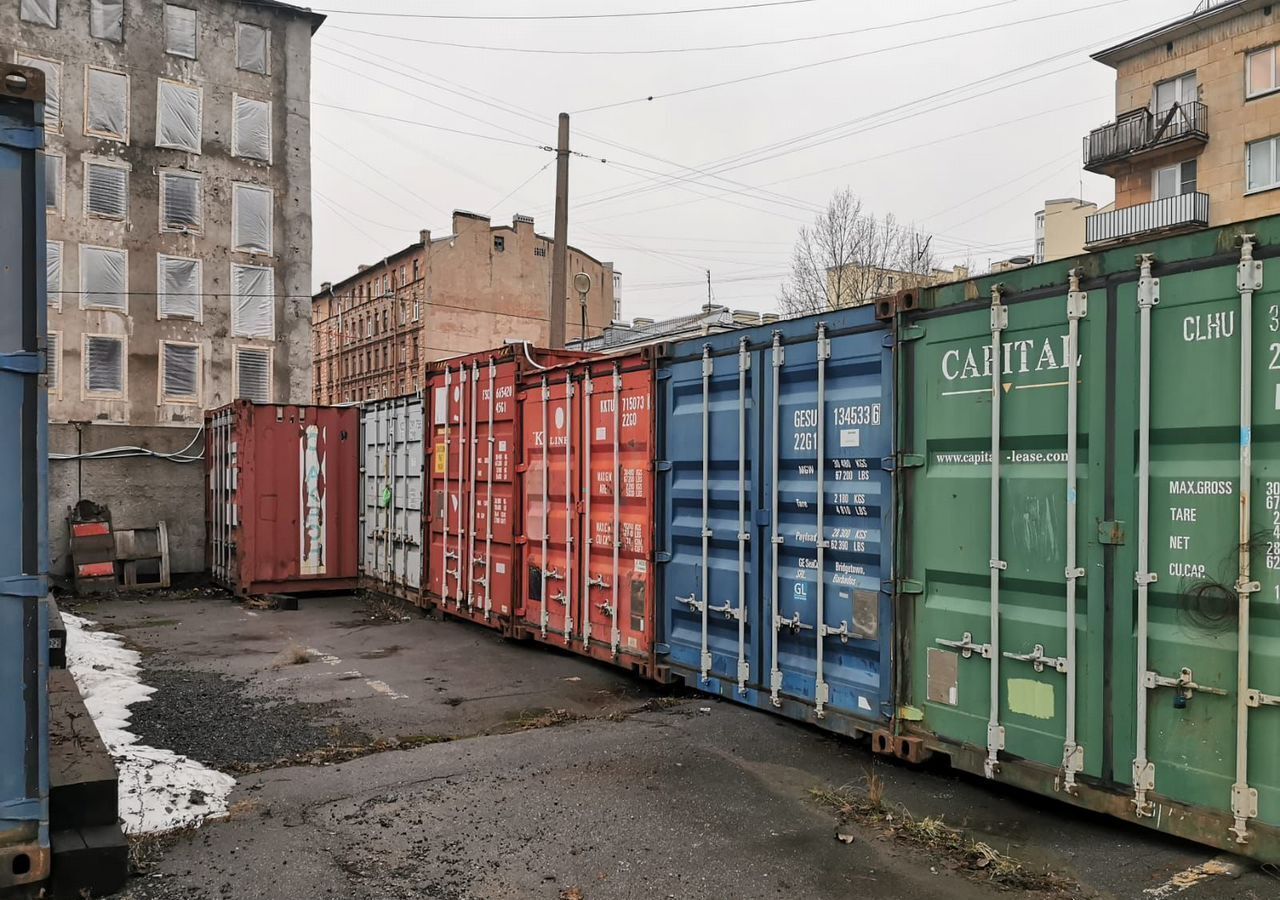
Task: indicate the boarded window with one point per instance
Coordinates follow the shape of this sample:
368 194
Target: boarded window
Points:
252 211
52 88
104 278
178 117
179 294
251 48
106 190
106 109
253 374
179 372
253 306
53 361
53 182
106 19
53 272
181 205
251 129
41 12
103 365
179 31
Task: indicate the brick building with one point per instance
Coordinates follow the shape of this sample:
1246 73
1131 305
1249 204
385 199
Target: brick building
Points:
374 332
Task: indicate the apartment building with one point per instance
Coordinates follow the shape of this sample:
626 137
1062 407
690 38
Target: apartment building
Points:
179 202
1060 228
1196 139
858 285
473 289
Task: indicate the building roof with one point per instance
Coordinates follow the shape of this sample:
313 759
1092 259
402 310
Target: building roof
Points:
317 19
1208 13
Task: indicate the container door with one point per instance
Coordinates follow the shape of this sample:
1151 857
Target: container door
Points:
222 450
373 428
450 478
403 501
1001 557
493 561
1197 669
830 421
552 429
617 582
711 599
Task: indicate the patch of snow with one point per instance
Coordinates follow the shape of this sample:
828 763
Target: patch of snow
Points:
159 790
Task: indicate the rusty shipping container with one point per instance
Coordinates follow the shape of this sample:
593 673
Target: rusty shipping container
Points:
588 502
472 556
283 502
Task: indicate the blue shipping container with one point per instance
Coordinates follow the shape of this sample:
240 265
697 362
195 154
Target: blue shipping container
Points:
24 717
776 507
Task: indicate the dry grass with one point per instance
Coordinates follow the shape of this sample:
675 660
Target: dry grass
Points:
264 603
327 756
384 608
145 850
293 655
531 719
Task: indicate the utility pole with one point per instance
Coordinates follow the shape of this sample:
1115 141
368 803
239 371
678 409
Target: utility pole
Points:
708 308
560 255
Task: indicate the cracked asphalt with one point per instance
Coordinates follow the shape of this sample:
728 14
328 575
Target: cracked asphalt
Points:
535 774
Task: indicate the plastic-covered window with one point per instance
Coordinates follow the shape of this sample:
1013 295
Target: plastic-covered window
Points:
53 361
53 182
106 19
104 278
251 48
251 129
52 88
103 365
106 110
179 31
181 207
178 117
252 224
180 371
106 190
41 12
253 302
179 295
253 374
53 274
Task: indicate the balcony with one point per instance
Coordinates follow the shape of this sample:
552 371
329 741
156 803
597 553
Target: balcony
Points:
1141 131
1181 213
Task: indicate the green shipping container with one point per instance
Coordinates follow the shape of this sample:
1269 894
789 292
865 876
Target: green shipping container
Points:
1100 416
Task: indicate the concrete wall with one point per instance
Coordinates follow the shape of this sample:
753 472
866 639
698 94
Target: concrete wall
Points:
142 57
1217 56
140 492
1064 228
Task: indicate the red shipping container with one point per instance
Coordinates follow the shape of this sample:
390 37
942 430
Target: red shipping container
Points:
473 558
282 507
589 508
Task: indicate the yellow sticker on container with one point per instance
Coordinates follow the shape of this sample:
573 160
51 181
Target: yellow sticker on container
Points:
1031 698
442 458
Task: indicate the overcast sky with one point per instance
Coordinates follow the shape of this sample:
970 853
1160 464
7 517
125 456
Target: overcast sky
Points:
959 115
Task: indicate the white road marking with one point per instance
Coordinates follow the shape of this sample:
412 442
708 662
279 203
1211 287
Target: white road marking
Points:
1219 866
327 658
384 689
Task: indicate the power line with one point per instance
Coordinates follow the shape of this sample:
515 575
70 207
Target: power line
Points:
658 50
520 186
556 17
431 125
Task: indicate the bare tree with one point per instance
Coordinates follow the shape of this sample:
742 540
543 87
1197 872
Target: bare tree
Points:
848 257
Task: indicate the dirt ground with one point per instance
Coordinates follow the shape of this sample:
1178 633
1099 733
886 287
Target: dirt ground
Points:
388 755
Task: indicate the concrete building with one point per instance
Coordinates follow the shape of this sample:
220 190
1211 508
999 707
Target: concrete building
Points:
179 230
855 285
1060 228
1196 139
711 319
375 331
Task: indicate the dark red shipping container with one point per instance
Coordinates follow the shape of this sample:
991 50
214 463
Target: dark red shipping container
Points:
588 491
282 510
473 558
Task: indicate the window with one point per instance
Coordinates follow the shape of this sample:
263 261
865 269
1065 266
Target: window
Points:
52 88
53 274
179 372
499 243
1261 72
251 128
417 310
253 306
103 365
178 293
106 189
106 108
41 12
1176 90
251 48
1171 181
54 182
252 218
253 374
178 111
540 250
104 278
179 31
53 362
181 202
106 19
1262 165
415 270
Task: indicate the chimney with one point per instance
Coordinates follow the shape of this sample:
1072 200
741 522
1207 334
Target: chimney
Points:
424 236
361 268
768 318
325 287
641 323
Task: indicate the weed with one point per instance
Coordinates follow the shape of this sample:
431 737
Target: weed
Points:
293 655
875 788
530 719
384 608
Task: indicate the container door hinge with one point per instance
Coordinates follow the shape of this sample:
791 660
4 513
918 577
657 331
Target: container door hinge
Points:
824 345
25 586
662 649
888 342
910 460
910 586
22 363
662 465
663 375
662 556
1256 699
1111 533
911 333
910 714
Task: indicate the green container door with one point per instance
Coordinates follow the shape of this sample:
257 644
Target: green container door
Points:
947 444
